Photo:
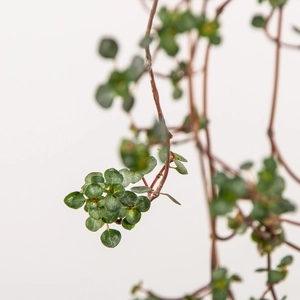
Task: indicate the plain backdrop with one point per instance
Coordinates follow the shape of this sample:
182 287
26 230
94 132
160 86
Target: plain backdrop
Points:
53 133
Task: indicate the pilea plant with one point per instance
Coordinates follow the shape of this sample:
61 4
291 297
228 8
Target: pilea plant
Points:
118 198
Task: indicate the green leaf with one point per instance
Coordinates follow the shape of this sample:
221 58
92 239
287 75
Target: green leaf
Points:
177 93
296 29
113 176
270 164
143 204
129 199
93 191
104 96
282 206
109 217
236 278
171 198
94 177
187 21
260 270
259 211
117 190
168 42
112 204
110 238
287 260
162 154
246 165
108 48
141 189
119 83
179 157
258 21
180 168
74 200
93 225
95 213
220 207
136 68
134 155
133 215
126 225
145 41
128 103
130 176
277 3
151 164
208 28
158 133
215 40
275 276
136 288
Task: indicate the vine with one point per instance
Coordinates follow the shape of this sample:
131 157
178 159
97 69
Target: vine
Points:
120 197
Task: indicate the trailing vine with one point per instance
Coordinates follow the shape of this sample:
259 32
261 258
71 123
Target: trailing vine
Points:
116 199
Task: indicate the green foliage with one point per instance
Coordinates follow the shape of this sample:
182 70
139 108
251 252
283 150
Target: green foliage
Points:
74 200
108 48
114 196
258 21
107 201
110 238
221 282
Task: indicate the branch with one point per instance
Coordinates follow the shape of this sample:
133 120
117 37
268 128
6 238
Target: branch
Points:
271 286
155 94
292 245
274 39
290 222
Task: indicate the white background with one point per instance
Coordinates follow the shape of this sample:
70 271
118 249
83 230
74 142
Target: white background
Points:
53 133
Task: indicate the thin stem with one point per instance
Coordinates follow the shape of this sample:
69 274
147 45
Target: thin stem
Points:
274 39
271 286
227 237
155 94
198 293
292 245
276 82
290 222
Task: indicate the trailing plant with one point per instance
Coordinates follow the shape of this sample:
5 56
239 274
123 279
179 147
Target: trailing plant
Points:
118 198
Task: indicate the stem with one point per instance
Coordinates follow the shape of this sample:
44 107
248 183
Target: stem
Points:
290 222
292 245
271 286
276 83
155 94
274 39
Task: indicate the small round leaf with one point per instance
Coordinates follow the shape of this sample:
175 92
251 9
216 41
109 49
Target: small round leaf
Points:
127 225
93 191
128 199
74 200
104 96
112 204
143 204
113 176
133 215
94 177
93 225
108 48
110 238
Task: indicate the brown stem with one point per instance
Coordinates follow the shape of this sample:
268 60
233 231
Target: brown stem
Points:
155 94
292 245
290 222
276 82
227 237
275 39
271 286
198 293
